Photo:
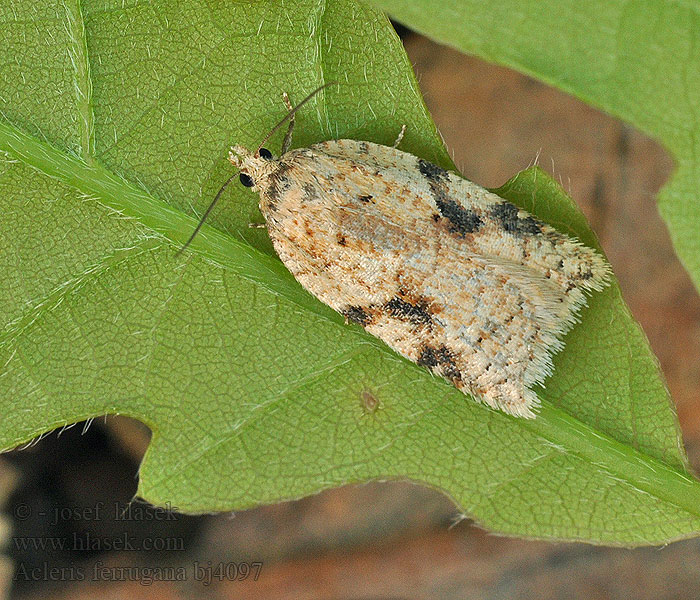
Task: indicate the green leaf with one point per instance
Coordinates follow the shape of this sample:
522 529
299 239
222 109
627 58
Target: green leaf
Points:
638 60
116 120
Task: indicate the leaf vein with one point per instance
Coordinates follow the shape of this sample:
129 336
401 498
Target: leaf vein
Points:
78 52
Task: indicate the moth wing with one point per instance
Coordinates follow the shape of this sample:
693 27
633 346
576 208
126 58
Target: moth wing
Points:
448 274
368 153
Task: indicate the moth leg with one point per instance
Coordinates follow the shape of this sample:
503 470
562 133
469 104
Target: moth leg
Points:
287 142
257 225
400 136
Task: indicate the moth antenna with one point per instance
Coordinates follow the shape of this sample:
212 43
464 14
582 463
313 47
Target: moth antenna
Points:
206 213
292 112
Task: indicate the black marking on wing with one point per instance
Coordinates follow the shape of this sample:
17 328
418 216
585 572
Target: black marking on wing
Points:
440 358
432 172
357 314
417 313
461 219
507 214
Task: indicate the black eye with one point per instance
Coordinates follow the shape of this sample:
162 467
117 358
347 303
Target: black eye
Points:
246 180
265 153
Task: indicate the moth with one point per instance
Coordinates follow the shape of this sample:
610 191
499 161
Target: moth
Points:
446 273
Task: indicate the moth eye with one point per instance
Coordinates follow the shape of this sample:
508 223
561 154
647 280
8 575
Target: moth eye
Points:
246 180
265 153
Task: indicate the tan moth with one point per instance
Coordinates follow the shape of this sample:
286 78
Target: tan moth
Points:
446 273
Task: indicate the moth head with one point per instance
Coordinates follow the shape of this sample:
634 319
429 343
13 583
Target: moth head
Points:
252 166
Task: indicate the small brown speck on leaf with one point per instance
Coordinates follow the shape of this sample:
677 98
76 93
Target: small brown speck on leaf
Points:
370 404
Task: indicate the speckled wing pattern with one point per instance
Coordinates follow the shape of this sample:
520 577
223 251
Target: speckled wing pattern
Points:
448 274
